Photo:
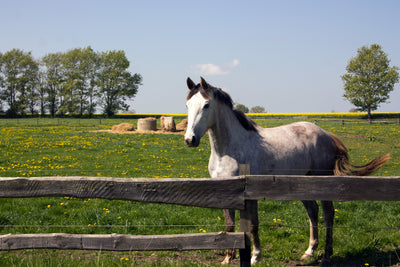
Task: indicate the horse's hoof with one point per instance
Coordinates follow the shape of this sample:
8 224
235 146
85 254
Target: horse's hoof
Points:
325 262
306 256
226 261
256 255
254 259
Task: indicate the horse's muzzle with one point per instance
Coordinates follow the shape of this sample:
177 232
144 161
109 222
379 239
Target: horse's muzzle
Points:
192 142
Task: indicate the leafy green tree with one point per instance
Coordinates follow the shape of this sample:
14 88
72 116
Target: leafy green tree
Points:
116 83
32 90
257 109
1 82
92 59
86 86
77 65
242 108
18 81
369 79
52 82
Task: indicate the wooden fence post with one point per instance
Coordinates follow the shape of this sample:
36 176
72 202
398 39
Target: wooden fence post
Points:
245 222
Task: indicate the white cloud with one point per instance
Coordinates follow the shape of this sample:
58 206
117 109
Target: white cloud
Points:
234 63
208 69
212 69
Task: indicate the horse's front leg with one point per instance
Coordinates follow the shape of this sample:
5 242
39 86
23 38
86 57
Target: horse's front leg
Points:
312 212
229 215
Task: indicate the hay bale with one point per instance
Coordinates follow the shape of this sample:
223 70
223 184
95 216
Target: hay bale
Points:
123 127
147 124
182 125
167 124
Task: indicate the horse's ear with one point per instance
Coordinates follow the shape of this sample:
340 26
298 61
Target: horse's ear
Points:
204 84
190 83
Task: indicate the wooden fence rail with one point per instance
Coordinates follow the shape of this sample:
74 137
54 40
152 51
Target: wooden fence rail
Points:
119 242
232 192
209 193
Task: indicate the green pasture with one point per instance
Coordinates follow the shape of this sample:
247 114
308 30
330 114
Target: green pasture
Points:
365 234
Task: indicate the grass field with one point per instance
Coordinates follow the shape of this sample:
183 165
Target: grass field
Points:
365 234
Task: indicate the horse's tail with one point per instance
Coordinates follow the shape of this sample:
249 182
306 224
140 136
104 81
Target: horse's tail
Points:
343 167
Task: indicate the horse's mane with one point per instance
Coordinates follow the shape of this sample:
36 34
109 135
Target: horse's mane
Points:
226 99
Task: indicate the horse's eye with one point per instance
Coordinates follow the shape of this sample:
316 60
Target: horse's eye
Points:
206 106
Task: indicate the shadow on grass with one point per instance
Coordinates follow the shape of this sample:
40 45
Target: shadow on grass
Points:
365 257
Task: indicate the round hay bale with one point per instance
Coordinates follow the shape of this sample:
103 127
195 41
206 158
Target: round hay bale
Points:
167 124
147 124
182 125
123 127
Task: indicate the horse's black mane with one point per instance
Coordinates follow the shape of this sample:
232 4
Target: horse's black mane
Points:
247 123
226 99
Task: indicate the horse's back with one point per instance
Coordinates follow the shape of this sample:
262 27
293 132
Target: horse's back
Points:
298 148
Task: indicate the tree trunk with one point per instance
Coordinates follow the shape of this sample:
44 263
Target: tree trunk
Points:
369 115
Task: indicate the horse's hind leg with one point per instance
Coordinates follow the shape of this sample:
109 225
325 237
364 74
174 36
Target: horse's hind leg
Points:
329 213
312 212
256 255
229 215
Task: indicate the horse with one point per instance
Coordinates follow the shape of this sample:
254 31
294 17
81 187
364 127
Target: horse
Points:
300 148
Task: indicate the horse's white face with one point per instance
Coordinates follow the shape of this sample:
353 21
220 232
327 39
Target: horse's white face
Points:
200 118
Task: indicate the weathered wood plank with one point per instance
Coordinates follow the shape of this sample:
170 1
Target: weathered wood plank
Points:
336 188
212 193
118 242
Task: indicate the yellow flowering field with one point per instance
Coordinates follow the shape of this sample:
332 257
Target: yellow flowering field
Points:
61 150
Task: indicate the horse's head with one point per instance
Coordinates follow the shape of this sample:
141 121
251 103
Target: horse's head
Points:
201 108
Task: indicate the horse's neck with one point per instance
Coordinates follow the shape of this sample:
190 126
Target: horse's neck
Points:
227 133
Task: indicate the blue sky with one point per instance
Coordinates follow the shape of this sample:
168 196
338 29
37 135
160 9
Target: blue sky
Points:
286 56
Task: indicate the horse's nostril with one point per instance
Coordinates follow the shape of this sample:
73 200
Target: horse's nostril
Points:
190 141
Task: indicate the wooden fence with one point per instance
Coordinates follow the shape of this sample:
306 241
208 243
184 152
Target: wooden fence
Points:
235 192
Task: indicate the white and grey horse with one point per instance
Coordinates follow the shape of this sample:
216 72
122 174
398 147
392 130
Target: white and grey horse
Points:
300 148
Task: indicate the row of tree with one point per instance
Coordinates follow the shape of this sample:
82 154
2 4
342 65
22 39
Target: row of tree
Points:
79 81
255 109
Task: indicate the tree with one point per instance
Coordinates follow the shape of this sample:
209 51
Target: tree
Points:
52 82
18 71
1 82
257 109
241 108
32 92
77 92
369 80
116 83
